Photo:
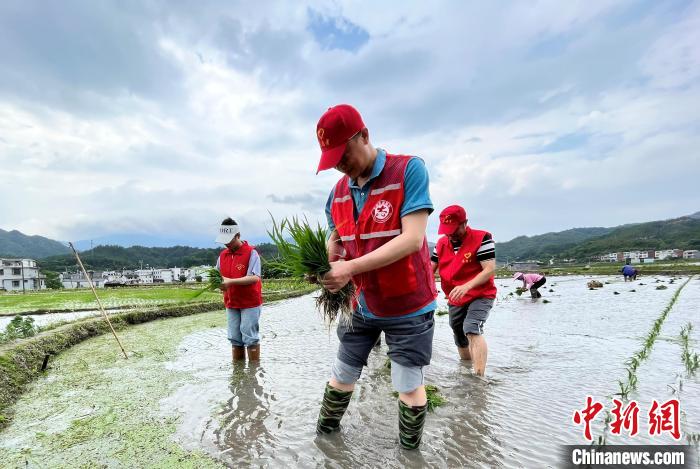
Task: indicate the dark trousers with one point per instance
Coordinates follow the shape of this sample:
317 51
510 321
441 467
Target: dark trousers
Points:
533 289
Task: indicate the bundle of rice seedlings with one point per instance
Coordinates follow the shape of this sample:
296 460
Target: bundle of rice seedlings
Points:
520 290
303 253
213 284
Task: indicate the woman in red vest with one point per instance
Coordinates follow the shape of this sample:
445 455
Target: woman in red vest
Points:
466 259
239 265
377 214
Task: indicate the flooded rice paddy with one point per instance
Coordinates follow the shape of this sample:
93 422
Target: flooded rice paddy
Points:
42 320
179 401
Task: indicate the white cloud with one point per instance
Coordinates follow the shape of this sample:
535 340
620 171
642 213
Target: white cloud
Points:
537 117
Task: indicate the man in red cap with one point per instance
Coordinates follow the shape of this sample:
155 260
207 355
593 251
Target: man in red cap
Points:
377 214
466 258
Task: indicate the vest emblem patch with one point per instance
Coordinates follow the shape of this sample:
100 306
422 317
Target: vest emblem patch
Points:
382 211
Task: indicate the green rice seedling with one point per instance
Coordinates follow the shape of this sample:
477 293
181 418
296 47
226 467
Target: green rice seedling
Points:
691 360
435 399
441 312
213 284
632 379
546 301
520 290
633 363
387 363
303 252
662 287
624 389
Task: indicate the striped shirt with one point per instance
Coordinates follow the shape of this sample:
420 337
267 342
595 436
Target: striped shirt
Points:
486 251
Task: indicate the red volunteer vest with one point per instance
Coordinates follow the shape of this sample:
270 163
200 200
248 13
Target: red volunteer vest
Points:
458 268
397 289
235 265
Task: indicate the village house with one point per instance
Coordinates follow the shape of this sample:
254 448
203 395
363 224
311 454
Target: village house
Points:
20 275
691 254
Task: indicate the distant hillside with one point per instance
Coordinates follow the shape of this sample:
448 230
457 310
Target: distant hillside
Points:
16 244
582 243
117 257
681 233
545 245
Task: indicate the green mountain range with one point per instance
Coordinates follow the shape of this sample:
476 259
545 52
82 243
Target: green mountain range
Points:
14 244
578 243
117 257
582 243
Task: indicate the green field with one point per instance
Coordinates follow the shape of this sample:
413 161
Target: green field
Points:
82 299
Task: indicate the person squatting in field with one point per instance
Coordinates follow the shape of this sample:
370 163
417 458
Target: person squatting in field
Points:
629 273
531 282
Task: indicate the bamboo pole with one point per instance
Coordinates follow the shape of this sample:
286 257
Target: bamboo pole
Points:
99 303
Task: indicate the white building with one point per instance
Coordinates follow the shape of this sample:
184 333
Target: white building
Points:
665 254
77 280
610 257
20 275
691 254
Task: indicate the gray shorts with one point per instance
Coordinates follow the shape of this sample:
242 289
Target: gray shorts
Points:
469 319
410 342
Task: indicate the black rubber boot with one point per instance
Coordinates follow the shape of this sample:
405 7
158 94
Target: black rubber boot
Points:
411 421
335 402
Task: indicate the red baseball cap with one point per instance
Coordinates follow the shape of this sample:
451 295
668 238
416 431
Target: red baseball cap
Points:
335 127
450 219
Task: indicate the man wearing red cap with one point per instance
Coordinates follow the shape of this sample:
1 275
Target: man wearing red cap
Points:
466 258
377 214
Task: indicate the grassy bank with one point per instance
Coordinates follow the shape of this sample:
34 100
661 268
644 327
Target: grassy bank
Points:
48 301
21 360
95 409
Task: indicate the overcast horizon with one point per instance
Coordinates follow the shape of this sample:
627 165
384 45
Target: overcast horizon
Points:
155 120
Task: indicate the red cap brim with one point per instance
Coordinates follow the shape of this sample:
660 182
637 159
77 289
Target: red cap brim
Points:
447 229
330 158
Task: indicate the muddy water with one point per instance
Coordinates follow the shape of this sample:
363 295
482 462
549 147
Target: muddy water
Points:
544 359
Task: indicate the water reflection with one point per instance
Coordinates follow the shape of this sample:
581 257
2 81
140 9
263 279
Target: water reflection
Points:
243 433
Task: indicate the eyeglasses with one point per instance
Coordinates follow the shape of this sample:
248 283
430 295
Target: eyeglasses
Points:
345 153
356 134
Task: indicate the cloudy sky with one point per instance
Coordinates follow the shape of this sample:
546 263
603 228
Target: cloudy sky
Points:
152 120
